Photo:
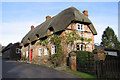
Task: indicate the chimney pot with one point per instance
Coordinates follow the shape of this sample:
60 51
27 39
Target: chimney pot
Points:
48 17
32 27
85 12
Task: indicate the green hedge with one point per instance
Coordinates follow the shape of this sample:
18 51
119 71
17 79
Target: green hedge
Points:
85 61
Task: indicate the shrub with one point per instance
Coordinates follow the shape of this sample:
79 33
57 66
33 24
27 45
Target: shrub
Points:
85 61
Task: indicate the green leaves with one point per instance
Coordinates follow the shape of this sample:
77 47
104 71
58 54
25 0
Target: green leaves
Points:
109 39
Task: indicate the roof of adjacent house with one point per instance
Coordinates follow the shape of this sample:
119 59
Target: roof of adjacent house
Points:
7 47
58 23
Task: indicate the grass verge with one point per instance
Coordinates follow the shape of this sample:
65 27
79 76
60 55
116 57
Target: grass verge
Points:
86 76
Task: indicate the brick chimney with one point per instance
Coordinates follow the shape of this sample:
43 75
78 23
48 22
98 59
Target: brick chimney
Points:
32 27
85 12
48 17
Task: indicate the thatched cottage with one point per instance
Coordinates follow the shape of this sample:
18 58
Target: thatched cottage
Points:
74 32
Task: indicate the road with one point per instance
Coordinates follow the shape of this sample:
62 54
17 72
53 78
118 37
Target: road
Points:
14 69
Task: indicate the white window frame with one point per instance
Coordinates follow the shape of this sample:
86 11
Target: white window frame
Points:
89 36
40 52
53 49
81 26
80 47
18 50
26 54
45 51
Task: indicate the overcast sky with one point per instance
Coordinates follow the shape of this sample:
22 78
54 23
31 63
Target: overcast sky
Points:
17 17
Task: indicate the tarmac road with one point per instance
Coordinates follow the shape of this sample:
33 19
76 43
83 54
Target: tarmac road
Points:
14 69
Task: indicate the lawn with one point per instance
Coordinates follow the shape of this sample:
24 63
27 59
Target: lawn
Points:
86 76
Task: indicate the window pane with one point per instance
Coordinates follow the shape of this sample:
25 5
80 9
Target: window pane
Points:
23 53
81 27
78 47
16 50
26 54
45 51
81 47
53 51
78 26
40 52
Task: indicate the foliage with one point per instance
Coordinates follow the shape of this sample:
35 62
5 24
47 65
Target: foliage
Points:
109 39
57 58
43 43
85 61
69 38
72 36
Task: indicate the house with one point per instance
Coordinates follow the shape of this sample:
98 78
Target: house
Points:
64 24
11 51
0 50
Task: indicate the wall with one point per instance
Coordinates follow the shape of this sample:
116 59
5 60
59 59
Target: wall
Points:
66 48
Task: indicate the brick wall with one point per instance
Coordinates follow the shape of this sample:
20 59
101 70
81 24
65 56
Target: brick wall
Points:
66 48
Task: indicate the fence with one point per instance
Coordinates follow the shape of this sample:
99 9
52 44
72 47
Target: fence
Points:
109 68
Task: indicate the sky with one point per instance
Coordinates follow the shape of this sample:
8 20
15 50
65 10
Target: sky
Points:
17 17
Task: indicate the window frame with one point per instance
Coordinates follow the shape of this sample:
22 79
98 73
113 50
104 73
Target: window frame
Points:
24 54
46 51
52 50
81 27
18 50
39 53
81 48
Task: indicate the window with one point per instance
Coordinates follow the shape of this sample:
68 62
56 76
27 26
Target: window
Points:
26 54
32 53
89 36
50 30
40 52
45 51
23 53
80 47
18 50
80 27
53 51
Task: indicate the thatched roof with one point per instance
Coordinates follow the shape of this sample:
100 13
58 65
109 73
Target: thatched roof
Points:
58 23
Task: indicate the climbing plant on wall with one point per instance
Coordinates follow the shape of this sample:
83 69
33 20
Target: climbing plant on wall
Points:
57 40
57 58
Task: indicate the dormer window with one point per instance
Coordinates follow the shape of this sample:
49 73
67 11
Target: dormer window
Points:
50 30
80 27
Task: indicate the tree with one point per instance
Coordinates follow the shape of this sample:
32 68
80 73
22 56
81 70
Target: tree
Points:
109 39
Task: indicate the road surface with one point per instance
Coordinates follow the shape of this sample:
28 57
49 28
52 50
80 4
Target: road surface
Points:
14 69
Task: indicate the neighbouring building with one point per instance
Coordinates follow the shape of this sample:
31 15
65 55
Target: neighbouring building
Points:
11 51
0 50
100 52
68 21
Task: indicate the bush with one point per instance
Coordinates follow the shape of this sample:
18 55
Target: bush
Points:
85 61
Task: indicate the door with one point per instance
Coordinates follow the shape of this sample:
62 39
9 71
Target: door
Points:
31 51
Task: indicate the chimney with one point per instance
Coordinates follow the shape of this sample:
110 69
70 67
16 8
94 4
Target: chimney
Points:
48 17
85 12
32 27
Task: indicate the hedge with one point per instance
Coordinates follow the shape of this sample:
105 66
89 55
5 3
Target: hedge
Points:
85 61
